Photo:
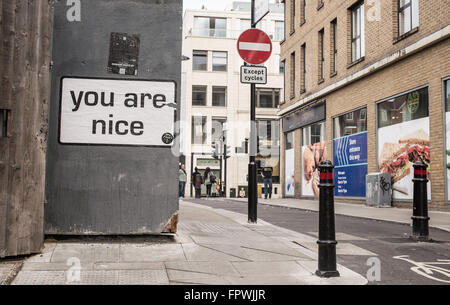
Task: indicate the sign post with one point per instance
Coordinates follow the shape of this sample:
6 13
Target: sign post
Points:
254 47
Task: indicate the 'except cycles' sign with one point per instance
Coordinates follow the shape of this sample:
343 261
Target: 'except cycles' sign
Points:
253 75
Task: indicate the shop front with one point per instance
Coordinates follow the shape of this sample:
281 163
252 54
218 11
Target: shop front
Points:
403 138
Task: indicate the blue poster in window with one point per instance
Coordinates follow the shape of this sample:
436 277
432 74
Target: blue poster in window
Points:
350 161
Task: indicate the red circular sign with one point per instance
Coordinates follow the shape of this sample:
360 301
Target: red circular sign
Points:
254 46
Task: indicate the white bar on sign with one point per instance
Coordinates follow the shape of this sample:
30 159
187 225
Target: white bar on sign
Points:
254 46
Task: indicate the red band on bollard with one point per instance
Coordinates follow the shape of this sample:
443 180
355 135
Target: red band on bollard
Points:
420 172
326 176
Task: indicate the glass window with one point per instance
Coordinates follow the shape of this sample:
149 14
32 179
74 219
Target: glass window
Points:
292 75
408 16
447 96
289 141
350 123
267 98
213 27
217 129
321 54
200 60
220 61
199 95
314 134
269 147
334 46
279 30
198 130
357 29
407 107
245 24
282 66
303 87
219 96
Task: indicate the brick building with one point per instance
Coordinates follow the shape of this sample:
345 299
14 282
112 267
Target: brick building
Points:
367 86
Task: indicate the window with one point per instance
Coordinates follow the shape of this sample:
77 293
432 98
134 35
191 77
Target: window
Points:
407 107
292 75
408 16
267 98
292 16
302 12
350 123
3 123
357 31
289 138
219 96
217 129
199 95
314 134
198 130
200 60
320 4
269 147
447 96
245 24
212 27
321 55
220 61
279 30
282 66
303 81
333 46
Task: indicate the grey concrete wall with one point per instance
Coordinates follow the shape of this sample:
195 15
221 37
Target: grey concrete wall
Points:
112 189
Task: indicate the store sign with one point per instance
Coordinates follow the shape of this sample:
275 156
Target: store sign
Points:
208 163
350 160
304 117
117 112
413 102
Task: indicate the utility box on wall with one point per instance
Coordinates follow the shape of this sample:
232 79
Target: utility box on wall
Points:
112 162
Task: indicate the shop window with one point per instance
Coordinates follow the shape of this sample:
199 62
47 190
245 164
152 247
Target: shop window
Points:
269 147
200 60
199 95
289 144
219 96
407 107
350 123
220 61
314 134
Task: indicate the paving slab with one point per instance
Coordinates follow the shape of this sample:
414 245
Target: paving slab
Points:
151 253
212 268
268 269
86 252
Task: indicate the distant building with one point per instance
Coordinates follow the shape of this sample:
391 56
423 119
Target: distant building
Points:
367 86
213 97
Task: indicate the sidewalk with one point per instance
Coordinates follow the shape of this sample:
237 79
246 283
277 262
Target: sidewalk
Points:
440 220
212 246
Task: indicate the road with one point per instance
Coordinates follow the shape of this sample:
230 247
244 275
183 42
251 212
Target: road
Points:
361 239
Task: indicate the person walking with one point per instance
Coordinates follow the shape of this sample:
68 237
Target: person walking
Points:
197 180
208 181
267 175
182 181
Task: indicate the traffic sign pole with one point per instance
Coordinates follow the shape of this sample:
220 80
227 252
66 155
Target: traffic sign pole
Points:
252 171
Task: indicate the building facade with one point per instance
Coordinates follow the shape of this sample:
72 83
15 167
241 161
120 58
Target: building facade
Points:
367 87
214 102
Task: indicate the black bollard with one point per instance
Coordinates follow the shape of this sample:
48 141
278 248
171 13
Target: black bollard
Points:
327 235
420 210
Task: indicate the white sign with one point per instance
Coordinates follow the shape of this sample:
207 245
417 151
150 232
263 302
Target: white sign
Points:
253 75
261 9
117 112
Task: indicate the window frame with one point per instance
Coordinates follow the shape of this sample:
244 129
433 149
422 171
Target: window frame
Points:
400 12
225 92
226 60
206 95
357 12
199 54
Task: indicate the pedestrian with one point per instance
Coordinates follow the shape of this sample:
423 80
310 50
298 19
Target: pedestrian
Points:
197 180
209 179
242 193
182 181
267 175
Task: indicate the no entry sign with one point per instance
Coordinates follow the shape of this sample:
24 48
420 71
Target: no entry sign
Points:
254 46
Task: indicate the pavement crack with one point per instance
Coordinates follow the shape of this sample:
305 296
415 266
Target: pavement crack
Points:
223 252
273 252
